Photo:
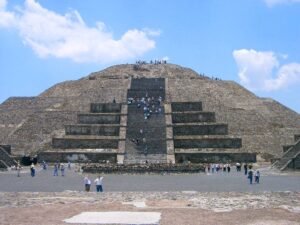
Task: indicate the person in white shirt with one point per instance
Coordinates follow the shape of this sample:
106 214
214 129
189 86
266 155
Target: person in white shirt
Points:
87 183
99 183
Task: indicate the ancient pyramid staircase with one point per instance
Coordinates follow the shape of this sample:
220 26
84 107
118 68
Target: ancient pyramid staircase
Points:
95 138
6 160
151 146
198 138
291 157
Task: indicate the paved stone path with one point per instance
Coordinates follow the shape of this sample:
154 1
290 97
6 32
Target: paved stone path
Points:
44 181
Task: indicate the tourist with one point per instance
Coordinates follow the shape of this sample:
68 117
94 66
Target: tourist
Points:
69 165
257 176
44 165
55 172
62 169
208 167
228 168
213 168
99 183
32 170
87 184
19 169
245 168
250 175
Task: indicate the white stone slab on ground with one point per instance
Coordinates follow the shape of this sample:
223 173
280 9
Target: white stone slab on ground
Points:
116 217
136 204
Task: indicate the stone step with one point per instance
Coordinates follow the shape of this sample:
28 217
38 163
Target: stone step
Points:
105 107
84 150
137 114
206 142
141 158
194 123
193 117
90 137
210 129
207 150
88 129
85 142
151 146
200 137
148 132
216 157
286 158
285 148
148 83
6 158
99 118
186 106
138 94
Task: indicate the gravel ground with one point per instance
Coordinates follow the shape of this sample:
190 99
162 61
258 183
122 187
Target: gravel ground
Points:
266 208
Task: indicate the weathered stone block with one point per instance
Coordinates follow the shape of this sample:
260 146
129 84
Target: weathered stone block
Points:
92 130
186 106
105 107
209 143
98 119
83 157
66 143
148 83
206 129
197 117
215 157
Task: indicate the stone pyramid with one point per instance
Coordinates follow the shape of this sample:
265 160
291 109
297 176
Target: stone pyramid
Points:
198 119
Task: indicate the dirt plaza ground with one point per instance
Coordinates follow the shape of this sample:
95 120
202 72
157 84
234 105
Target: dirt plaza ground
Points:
180 199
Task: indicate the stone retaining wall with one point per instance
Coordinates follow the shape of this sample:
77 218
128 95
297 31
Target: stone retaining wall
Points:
215 157
83 157
146 168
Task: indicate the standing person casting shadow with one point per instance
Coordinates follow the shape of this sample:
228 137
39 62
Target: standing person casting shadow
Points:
99 182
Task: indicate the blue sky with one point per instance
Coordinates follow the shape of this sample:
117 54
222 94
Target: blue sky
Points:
253 42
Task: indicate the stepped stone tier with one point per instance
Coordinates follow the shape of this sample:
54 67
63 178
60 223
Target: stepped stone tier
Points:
5 158
199 119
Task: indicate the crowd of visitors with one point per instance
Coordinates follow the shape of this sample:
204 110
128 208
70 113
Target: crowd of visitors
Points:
252 175
149 106
248 171
155 62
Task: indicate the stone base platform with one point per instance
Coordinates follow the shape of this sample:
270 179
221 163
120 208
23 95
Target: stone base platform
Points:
144 168
102 156
215 157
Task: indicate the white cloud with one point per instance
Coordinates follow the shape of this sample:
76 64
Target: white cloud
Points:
271 3
7 19
67 36
256 70
166 58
